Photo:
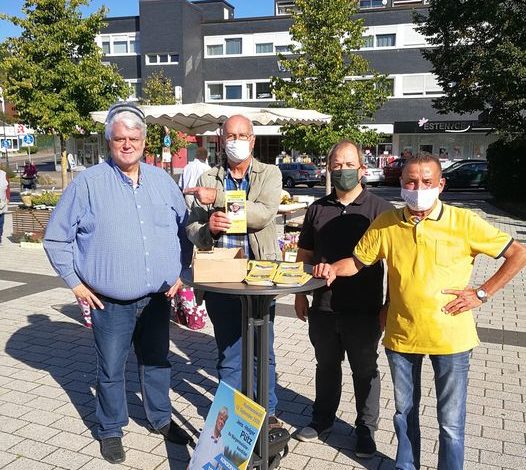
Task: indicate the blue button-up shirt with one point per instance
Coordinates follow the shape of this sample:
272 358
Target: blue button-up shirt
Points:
122 242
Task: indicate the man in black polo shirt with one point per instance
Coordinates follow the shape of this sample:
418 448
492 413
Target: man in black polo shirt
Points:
344 318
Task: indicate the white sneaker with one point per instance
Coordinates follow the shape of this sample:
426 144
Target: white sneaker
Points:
309 434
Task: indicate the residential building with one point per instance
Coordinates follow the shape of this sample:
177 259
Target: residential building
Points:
212 56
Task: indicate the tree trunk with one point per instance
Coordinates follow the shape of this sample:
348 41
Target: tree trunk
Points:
63 162
328 187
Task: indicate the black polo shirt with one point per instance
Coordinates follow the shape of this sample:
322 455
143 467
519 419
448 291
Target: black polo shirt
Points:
332 230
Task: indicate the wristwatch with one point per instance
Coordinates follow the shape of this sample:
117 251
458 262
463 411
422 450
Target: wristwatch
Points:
481 294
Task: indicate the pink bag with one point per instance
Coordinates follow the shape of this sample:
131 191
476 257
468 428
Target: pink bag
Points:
185 310
86 312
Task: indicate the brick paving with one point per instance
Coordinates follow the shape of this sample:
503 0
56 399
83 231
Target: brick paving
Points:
47 381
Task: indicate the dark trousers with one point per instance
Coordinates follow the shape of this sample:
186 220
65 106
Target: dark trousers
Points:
333 335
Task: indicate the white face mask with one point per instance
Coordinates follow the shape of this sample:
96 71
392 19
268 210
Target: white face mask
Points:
237 151
420 199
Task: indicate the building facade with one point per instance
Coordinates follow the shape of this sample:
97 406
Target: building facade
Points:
211 56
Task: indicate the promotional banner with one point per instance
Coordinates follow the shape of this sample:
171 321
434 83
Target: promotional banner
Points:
230 432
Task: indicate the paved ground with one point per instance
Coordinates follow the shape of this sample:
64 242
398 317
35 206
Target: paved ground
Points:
47 381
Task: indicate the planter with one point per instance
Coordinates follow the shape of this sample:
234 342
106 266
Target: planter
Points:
32 245
30 220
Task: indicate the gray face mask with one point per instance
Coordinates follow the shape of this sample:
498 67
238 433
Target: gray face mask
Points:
346 179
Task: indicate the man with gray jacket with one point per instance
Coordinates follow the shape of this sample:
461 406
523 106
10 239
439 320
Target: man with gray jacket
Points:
207 226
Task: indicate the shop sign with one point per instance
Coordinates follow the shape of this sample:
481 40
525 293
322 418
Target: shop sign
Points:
425 126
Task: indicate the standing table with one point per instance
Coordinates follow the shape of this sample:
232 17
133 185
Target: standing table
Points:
255 304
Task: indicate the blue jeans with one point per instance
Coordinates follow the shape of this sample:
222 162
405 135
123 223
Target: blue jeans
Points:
451 380
145 322
225 313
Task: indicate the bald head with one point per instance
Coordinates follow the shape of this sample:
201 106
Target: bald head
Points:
237 123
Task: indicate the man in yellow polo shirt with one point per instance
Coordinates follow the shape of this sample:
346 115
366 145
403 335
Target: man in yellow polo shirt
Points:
429 248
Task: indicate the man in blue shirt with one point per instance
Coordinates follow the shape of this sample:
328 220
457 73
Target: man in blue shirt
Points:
117 238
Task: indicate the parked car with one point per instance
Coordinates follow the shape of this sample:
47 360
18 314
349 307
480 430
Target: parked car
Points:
466 174
393 171
373 176
300 173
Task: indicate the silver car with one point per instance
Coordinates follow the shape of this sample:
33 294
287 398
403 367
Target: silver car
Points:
373 176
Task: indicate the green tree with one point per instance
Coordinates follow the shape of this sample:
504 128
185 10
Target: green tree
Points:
479 56
325 73
54 73
158 90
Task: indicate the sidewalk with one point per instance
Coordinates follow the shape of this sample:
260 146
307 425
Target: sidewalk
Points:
47 381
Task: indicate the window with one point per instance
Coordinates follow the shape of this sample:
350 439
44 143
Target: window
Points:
119 44
413 85
263 91
135 89
265 48
372 3
385 40
106 47
233 46
120 47
388 86
369 41
285 7
164 58
419 85
214 49
282 49
215 92
233 92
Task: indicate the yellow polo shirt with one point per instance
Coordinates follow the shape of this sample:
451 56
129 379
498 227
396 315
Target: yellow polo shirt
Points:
423 258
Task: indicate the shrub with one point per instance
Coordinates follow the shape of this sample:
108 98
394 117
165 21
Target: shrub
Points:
47 198
10 173
507 170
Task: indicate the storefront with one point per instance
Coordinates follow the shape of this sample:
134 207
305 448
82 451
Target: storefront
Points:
446 139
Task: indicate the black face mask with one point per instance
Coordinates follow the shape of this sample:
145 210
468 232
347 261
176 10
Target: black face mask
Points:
345 180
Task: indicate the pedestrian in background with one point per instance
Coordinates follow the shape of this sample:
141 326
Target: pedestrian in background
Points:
5 196
117 238
192 171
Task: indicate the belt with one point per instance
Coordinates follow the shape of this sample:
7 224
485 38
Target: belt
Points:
126 302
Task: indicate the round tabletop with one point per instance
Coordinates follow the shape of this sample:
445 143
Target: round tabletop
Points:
240 288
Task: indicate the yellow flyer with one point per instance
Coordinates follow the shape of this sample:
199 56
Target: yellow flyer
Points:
230 432
236 210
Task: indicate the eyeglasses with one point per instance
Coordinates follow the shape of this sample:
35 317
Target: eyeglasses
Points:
230 137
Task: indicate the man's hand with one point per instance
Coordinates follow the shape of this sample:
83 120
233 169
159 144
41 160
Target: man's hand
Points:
466 300
202 194
170 293
218 223
84 293
301 306
324 271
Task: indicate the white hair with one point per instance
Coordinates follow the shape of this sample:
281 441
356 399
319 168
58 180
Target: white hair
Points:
129 119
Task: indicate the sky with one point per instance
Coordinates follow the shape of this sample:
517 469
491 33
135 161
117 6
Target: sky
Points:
243 8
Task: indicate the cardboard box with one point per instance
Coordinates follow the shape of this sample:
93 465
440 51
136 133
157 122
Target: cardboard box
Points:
220 265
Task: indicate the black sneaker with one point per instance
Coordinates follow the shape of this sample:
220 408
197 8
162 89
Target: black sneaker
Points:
174 433
112 450
365 445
